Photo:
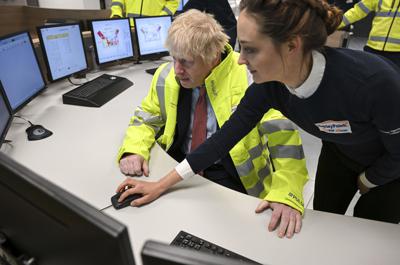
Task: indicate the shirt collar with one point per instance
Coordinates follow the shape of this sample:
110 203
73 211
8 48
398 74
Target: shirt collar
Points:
312 82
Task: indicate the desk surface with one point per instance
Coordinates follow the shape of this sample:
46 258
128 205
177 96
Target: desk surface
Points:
80 157
81 154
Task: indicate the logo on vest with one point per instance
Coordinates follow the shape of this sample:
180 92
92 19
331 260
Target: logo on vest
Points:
337 127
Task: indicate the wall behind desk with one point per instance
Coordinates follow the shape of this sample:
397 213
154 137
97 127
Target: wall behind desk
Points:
20 18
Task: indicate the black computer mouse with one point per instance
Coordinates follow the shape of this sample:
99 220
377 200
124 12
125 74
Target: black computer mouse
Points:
37 132
119 205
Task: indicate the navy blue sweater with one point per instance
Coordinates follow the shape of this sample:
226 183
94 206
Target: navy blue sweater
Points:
359 90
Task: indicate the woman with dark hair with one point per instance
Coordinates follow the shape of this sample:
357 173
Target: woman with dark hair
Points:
349 99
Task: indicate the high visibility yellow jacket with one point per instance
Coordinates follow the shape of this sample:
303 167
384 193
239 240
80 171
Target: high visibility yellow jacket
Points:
135 8
385 31
269 160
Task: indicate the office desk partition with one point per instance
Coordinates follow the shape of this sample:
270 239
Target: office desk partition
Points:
80 157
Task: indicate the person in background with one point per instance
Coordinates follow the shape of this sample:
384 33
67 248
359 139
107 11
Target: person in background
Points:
191 98
222 12
384 37
137 8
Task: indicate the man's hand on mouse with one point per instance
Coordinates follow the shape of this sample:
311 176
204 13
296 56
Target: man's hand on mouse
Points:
149 190
134 165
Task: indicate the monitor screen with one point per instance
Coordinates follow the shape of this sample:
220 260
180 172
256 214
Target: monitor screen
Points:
112 39
180 7
155 253
63 50
48 225
19 69
151 34
5 115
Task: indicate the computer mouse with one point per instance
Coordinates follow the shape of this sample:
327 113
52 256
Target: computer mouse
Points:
37 132
119 205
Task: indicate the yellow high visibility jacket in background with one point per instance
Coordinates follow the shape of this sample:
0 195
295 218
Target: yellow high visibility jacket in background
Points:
269 160
385 31
136 8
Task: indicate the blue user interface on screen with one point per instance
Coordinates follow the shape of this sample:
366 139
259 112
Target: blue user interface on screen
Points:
152 33
112 39
19 69
64 50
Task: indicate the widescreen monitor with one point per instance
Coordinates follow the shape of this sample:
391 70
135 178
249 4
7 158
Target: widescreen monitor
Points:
156 253
112 39
63 50
5 115
49 226
19 70
151 34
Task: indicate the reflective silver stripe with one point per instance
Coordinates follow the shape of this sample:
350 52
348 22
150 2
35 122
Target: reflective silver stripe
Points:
130 15
246 167
161 89
139 123
287 151
346 21
363 7
147 117
387 14
258 188
121 5
167 10
272 126
383 39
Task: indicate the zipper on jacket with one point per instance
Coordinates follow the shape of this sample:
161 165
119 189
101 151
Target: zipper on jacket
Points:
391 24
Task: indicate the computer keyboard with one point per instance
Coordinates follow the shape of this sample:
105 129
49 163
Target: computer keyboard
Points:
189 241
97 92
151 70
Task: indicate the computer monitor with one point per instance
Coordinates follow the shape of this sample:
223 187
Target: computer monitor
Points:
155 253
63 50
5 115
47 224
112 39
151 34
19 70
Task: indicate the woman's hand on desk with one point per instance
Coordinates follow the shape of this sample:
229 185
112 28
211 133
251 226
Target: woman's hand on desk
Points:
150 190
289 219
134 165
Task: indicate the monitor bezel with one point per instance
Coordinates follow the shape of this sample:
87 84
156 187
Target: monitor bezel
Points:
10 114
42 195
20 106
45 57
95 43
150 55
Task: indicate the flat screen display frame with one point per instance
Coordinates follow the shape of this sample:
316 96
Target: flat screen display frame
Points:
41 89
150 56
45 55
90 22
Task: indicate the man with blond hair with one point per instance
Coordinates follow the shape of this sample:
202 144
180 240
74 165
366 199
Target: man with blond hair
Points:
191 98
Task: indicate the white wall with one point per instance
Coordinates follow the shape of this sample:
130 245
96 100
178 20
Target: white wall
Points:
70 4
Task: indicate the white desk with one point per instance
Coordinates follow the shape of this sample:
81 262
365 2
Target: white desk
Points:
80 157
81 154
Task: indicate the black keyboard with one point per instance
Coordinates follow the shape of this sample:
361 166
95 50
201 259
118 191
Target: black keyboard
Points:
97 92
151 71
189 241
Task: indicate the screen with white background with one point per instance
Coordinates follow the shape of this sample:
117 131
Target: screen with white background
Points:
19 69
112 39
63 46
152 33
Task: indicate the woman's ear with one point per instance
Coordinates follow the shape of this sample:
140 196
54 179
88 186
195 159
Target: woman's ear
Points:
294 45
